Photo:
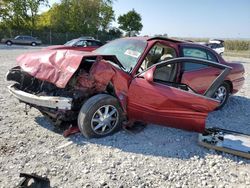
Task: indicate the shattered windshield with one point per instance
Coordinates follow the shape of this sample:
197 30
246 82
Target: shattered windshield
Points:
127 51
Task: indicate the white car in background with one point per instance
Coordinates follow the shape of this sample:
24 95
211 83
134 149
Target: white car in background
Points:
217 45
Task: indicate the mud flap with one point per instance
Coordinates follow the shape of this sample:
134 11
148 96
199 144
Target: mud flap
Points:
232 142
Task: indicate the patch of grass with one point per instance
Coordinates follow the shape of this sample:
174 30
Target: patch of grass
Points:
236 53
230 44
238 45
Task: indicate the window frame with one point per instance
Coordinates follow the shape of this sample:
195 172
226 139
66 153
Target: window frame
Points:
94 43
207 51
225 69
79 41
29 38
154 45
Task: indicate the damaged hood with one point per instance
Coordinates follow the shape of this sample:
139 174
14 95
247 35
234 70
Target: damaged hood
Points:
54 66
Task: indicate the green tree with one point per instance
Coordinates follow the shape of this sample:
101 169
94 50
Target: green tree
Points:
106 15
14 14
80 16
3 9
130 22
115 33
20 14
32 8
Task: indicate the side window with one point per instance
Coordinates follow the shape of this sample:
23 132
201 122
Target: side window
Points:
193 66
81 43
89 43
221 45
157 53
165 73
211 57
32 38
197 53
194 52
94 43
27 38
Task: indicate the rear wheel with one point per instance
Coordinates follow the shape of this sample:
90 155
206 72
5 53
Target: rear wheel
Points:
222 94
100 116
33 44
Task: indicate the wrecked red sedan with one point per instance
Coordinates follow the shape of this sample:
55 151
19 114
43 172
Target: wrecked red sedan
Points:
153 80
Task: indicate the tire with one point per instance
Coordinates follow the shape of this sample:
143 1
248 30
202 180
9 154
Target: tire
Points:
9 43
100 116
33 44
222 94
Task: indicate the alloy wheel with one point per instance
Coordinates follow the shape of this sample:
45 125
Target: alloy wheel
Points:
104 119
221 94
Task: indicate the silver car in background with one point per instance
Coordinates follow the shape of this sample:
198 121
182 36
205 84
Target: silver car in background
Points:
22 39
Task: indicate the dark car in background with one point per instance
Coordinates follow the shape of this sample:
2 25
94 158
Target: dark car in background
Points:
22 39
81 44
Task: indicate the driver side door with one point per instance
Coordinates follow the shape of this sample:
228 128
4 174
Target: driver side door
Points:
155 98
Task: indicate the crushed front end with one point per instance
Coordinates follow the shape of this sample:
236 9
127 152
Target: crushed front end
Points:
57 103
58 83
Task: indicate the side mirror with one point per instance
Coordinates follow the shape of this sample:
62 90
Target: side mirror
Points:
149 74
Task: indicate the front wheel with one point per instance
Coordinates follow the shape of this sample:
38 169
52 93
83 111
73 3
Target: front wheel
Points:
100 116
8 43
222 94
33 44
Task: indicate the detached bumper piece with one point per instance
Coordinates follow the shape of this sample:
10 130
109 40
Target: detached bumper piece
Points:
232 142
60 103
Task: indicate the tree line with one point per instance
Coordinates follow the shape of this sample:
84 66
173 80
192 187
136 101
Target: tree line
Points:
83 17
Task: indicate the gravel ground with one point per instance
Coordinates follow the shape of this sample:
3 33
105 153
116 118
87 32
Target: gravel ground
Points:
155 157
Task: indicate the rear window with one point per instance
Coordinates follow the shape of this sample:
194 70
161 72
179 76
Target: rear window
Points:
197 53
194 52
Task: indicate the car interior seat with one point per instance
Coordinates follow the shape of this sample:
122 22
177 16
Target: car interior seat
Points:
167 72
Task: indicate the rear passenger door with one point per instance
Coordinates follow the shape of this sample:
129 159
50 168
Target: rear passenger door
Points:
198 76
27 40
19 40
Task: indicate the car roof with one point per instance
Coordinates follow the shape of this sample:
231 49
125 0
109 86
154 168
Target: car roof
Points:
86 37
176 41
167 39
89 39
216 41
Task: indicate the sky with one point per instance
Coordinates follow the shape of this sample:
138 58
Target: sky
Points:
189 18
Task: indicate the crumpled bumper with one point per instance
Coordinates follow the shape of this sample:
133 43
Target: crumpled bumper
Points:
60 103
